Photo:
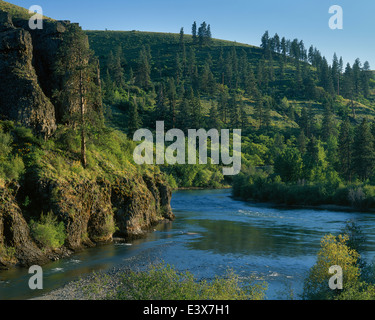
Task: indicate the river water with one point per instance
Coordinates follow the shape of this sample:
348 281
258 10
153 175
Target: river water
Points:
211 234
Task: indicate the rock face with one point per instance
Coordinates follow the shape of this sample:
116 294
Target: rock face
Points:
90 211
15 233
29 79
21 97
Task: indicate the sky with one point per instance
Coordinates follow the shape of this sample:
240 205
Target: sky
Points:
243 21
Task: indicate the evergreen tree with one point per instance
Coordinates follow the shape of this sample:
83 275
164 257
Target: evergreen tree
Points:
202 33
336 73
143 78
161 112
196 113
265 41
172 97
328 124
79 90
314 161
194 32
363 151
259 109
267 113
348 86
208 35
345 150
301 142
235 117
214 119
277 43
244 116
134 120
365 79
182 42
183 119
223 105
178 68
356 73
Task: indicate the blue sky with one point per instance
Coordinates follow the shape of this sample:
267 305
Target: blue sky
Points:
238 20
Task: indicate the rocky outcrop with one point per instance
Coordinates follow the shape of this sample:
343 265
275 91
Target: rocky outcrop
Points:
21 97
15 233
92 211
30 83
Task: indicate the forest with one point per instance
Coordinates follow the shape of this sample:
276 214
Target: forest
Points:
307 122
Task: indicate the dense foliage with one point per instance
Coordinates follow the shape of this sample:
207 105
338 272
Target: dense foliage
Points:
302 118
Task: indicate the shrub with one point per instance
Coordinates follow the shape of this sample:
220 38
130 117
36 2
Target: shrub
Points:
48 232
334 251
163 282
7 253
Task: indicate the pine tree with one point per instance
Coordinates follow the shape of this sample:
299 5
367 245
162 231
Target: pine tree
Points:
161 107
267 113
214 119
182 42
223 105
345 150
194 32
196 112
202 33
363 151
301 142
235 119
178 68
348 87
183 119
365 78
134 120
336 73
244 116
143 78
79 90
328 124
208 35
172 97
356 73
277 43
258 109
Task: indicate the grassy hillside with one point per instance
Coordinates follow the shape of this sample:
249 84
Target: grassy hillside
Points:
164 47
16 11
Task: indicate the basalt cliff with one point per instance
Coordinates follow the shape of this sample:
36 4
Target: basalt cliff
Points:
88 205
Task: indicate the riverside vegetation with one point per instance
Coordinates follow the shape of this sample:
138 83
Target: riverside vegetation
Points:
67 176
307 125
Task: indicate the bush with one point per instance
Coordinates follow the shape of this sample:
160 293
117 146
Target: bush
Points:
334 251
163 282
48 232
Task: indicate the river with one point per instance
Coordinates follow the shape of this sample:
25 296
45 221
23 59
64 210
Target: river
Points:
211 234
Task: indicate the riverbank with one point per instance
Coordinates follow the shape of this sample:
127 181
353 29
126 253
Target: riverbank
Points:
329 207
102 284
96 286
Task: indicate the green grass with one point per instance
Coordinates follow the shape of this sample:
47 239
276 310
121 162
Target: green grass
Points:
18 12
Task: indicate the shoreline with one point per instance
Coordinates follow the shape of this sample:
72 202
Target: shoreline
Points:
330 207
73 290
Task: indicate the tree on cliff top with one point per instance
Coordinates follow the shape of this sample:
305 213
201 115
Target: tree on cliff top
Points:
80 88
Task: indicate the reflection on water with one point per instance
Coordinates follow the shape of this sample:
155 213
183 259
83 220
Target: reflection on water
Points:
211 234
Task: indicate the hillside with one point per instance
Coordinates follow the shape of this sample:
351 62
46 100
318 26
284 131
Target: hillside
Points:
67 182
164 47
281 94
18 12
